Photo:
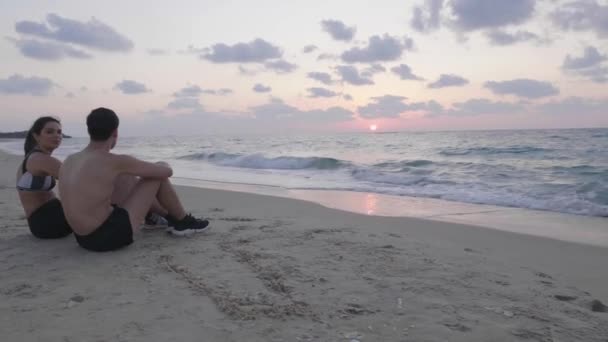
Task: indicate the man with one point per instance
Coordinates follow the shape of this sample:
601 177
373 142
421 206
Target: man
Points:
91 178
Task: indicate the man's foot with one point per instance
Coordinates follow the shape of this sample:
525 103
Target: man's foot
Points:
154 220
188 225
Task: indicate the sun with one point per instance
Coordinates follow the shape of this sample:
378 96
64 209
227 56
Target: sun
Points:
373 128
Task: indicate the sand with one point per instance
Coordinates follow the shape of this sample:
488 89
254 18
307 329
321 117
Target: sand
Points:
276 269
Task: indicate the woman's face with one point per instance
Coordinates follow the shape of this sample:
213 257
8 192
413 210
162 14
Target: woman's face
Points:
50 136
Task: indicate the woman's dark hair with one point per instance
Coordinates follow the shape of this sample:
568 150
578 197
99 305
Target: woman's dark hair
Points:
37 127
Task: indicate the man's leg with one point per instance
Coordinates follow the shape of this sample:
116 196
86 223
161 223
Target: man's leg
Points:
140 200
182 224
124 185
168 199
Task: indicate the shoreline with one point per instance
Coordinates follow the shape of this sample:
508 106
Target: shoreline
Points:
280 269
582 229
590 230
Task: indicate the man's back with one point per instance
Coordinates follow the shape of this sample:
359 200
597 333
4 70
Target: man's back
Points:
86 186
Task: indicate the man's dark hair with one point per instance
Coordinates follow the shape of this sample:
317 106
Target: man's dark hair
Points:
101 122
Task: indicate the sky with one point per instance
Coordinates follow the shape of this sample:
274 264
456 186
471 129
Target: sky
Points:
267 66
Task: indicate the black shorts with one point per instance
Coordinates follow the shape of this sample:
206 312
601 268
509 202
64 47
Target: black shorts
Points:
114 233
48 221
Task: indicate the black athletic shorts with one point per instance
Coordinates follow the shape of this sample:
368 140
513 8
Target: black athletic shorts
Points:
114 233
48 221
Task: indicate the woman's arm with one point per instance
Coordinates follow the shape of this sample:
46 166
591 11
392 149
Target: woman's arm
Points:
43 163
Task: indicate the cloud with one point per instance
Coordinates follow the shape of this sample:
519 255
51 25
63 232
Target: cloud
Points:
256 51
17 84
189 91
338 30
431 106
70 95
350 75
591 57
321 92
502 38
48 51
405 73
474 107
449 80
589 65
347 97
332 114
309 48
130 87
470 15
194 121
372 70
526 88
219 92
387 106
191 50
278 110
471 107
157 52
597 74
196 91
246 71
280 66
582 15
574 106
260 88
427 18
322 77
185 103
327 56
385 48
92 34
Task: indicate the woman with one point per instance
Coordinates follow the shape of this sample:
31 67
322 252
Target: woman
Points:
36 179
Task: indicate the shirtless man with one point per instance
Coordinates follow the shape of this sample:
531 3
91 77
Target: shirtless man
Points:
90 179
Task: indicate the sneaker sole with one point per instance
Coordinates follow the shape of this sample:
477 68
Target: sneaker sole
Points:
187 231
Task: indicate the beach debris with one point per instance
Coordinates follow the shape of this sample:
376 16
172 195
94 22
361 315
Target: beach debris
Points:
565 298
597 306
78 299
354 309
500 311
502 282
353 335
388 246
543 275
75 300
457 327
305 337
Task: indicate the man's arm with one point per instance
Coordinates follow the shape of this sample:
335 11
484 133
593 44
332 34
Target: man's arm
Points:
133 166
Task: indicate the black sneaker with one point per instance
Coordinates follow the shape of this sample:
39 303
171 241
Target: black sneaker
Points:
154 220
188 225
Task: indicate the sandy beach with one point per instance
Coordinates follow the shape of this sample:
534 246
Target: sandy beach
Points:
277 269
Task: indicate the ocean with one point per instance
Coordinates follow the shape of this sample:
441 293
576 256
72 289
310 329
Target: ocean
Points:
564 171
